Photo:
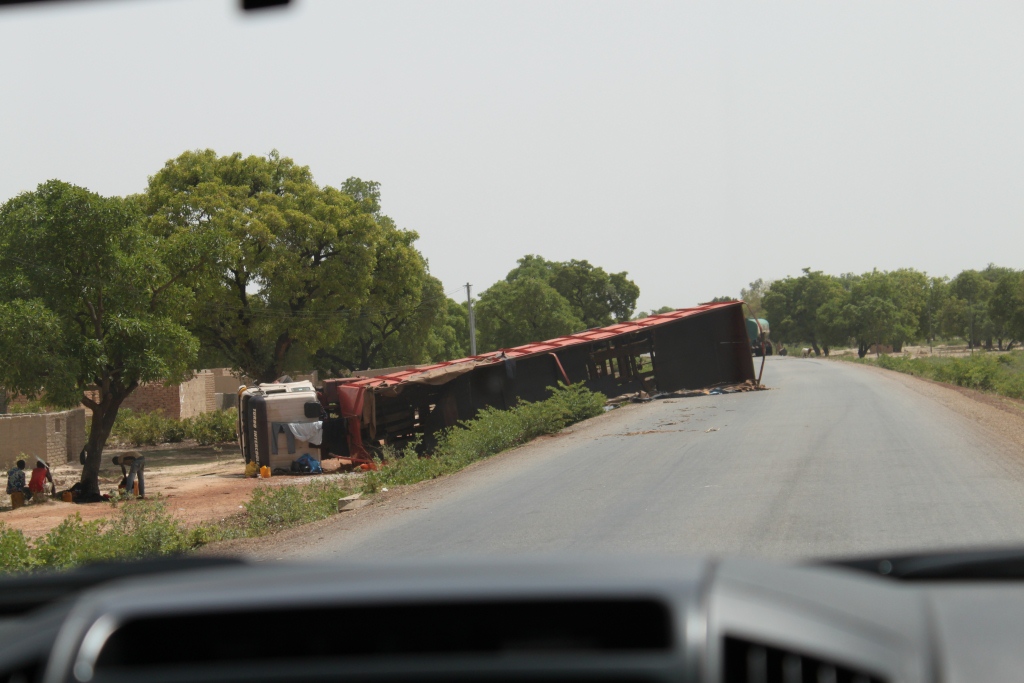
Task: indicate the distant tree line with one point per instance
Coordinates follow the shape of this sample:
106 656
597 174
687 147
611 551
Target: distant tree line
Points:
984 308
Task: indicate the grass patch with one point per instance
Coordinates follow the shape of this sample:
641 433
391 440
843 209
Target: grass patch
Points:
490 432
145 529
278 507
1001 374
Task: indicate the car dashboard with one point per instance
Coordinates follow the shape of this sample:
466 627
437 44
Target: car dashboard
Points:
643 620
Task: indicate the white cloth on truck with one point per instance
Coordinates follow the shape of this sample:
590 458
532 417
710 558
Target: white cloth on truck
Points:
313 432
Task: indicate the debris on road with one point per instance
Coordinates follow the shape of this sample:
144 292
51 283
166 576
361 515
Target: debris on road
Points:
353 502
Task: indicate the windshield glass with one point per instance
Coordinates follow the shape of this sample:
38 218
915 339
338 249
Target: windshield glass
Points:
453 278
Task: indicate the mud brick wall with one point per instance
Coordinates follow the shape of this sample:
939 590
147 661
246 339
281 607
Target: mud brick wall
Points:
178 401
155 398
56 437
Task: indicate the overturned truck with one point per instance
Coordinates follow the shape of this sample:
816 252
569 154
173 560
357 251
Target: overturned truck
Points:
688 348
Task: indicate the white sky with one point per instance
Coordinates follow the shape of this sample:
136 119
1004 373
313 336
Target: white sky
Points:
696 145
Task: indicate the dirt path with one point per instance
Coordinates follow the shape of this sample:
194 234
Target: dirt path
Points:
209 486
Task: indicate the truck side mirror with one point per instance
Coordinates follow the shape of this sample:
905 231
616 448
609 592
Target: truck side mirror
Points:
311 409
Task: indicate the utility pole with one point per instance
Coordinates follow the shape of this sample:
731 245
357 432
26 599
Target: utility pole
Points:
472 322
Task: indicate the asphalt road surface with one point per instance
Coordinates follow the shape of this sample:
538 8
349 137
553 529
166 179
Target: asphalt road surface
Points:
835 460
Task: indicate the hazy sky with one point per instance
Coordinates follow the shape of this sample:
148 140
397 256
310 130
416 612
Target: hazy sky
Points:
696 145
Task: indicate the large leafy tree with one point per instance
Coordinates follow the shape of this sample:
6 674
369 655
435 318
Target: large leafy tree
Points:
1006 308
792 306
92 304
297 257
965 312
404 316
597 298
524 310
887 307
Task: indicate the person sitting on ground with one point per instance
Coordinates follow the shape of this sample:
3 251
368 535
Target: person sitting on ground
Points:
133 464
40 475
16 479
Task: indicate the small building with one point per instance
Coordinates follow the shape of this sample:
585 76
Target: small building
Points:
55 437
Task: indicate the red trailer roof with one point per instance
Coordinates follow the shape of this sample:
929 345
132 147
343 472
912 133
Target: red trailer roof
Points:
534 348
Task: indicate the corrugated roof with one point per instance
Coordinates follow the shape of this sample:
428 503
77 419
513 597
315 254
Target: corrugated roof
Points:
548 346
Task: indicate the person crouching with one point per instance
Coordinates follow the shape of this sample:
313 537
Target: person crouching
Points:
40 475
133 464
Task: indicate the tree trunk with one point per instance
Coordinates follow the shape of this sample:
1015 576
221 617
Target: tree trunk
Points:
862 349
103 416
817 351
4 400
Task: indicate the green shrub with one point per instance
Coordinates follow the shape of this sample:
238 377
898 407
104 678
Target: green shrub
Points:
35 406
490 432
143 429
277 507
15 552
142 529
150 429
211 428
1002 374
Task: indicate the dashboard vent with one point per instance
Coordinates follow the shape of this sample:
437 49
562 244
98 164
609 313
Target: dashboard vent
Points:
749 662
495 628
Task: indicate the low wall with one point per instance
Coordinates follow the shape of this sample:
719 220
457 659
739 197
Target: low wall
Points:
55 437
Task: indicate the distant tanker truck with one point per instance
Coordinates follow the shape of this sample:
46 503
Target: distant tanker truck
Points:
757 332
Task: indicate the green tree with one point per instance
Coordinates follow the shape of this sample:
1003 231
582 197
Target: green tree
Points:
792 306
92 304
887 308
394 323
938 293
522 311
298 257
1006 308
753 294
449 336
965 313
654 311
597 297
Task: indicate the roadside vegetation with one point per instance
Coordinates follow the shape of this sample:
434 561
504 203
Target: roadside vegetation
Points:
490 432
1001 374
149 429
140 529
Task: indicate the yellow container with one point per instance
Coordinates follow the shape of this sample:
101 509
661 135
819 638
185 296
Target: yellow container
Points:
66 497
17 500
265 472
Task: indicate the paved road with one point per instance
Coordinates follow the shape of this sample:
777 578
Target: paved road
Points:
836 459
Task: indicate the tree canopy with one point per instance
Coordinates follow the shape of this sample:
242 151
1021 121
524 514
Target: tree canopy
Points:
92 304
596 297
527 309
295 256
